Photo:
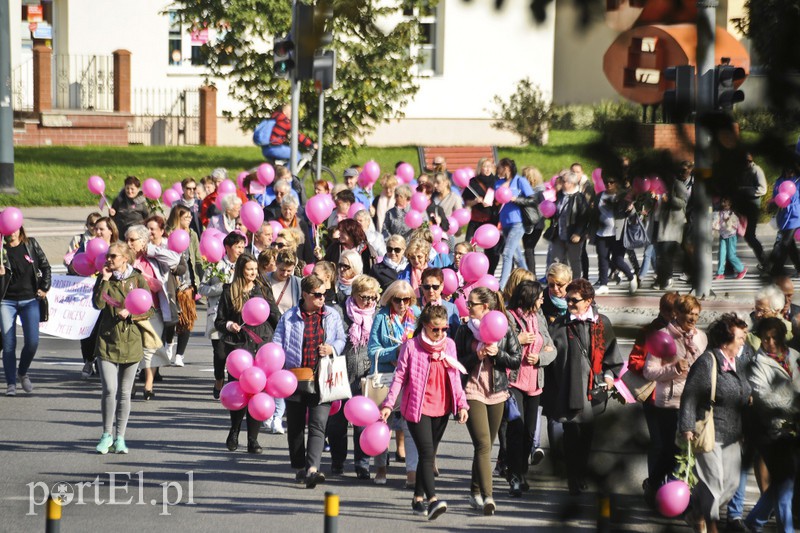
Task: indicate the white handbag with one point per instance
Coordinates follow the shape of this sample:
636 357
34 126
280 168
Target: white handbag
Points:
332 379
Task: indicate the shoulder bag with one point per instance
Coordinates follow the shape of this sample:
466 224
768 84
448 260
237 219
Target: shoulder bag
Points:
704 440
332 378
638 385
634 234
376 386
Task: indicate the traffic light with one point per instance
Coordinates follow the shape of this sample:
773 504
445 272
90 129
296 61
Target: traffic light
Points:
725 92
283 56
325 70
306 40
323 23
679 102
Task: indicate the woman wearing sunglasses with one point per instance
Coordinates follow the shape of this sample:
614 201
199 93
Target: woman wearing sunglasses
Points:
431 294
486 387
394 262
359 314
394 324
587 357
350 266
428 374
307 332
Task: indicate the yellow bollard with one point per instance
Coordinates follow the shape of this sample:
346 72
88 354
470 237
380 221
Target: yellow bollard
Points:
53 516
331 512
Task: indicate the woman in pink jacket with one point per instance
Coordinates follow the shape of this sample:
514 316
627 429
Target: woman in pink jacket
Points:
428 374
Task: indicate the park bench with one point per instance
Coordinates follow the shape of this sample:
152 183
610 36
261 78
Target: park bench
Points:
456 156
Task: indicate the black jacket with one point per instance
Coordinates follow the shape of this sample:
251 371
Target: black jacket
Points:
226 312
508 356
41 269
385 274
578 215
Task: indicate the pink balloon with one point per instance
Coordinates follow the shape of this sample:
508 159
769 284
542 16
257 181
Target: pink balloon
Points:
138 301
450 284
454 226
549 195
470 172
178 240
405 172
486 236
96 185
413 219
661 344
219 198
420 201
177 187
788 188
265 174
355 208
461 178
461 305
336 406
240 179
373 170
463 216
672 498
503 194
441 247
170 196
328 202
361 411
494 325
488 281
10 220
473 266
226 187
270 358
276 228
151 189
374 440
657 186
253 380
261 406
213 232
99 262
83 265
211 249
597 180
547 208
308 269
252 216
437 233
232 397
281 384
238 361
317 209
255 311
364 180
95 247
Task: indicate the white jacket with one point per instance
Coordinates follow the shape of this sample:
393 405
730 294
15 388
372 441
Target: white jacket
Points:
669 382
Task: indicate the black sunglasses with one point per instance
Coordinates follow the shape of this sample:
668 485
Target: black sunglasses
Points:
429 287
190 188
398 300
369 298
439 330
573 301
473 304
278 245
394 250
317 294
112 256
344 266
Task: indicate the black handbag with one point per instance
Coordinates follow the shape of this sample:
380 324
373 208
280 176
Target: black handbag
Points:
44 310
634 234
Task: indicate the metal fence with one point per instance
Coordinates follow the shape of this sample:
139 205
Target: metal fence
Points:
22 87
165 117
84 82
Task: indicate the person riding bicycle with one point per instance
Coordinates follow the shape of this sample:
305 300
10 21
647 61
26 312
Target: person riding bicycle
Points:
277 147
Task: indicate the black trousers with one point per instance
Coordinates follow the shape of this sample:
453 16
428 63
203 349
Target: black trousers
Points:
427 434
253 425
751 210
529 242
663 444
785 246
519 436
220 356
665 252
577 446
336 430
300 455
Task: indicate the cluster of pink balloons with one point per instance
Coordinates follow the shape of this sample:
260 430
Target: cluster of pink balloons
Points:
260 381
661 344
92 259
786 192
10 220
362 411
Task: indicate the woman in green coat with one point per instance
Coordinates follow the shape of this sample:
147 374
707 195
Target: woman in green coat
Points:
120 342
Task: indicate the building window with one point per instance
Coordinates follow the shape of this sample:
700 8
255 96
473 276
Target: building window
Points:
186 43
175 39
429 49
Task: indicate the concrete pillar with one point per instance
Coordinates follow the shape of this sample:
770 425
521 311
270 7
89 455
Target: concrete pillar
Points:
122 81
208 115
42 79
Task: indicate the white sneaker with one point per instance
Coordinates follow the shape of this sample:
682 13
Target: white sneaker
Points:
602 289
25 381
277 426
267 425
634 286
178 360
11 390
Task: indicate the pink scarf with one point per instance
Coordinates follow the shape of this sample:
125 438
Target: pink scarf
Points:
436 350
687 337
362 321
529 323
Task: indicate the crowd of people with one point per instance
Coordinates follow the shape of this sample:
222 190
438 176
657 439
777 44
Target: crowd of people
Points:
367 287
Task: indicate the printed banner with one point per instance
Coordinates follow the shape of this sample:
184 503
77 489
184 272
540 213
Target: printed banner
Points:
72 315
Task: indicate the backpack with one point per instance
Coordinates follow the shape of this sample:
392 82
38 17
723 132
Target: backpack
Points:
263 132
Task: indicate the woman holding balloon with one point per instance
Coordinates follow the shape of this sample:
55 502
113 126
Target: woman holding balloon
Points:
24 282
487 348
184 240
511 191
123 297
428 377
306 333
249 332
214 277
480 202
228 219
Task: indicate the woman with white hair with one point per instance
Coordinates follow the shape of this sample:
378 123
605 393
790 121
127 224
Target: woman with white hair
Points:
570 224
394 262
227 220
350 265
769 303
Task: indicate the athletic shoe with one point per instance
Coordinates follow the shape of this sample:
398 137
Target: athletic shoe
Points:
25 381
119 446
538 455
267 425
602 289
418 507
436 509
741 274
106 441
515 489
216 392
684 278
489 506
379 480
314 478
277 427
11 390
88 369
476 501
178 360
634 286
719 276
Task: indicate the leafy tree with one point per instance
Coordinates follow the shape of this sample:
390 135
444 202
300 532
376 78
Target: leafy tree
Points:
374 76
527 113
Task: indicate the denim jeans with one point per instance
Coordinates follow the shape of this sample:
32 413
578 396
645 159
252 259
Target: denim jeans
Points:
281 151
782 463
28 312
648 260
512 251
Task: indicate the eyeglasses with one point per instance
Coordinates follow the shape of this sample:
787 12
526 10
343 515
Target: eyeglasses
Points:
112 256
438 330
394 250
398 300
574 301
472 304
189 188
368 298
344 266
317 294
429 287
279 245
